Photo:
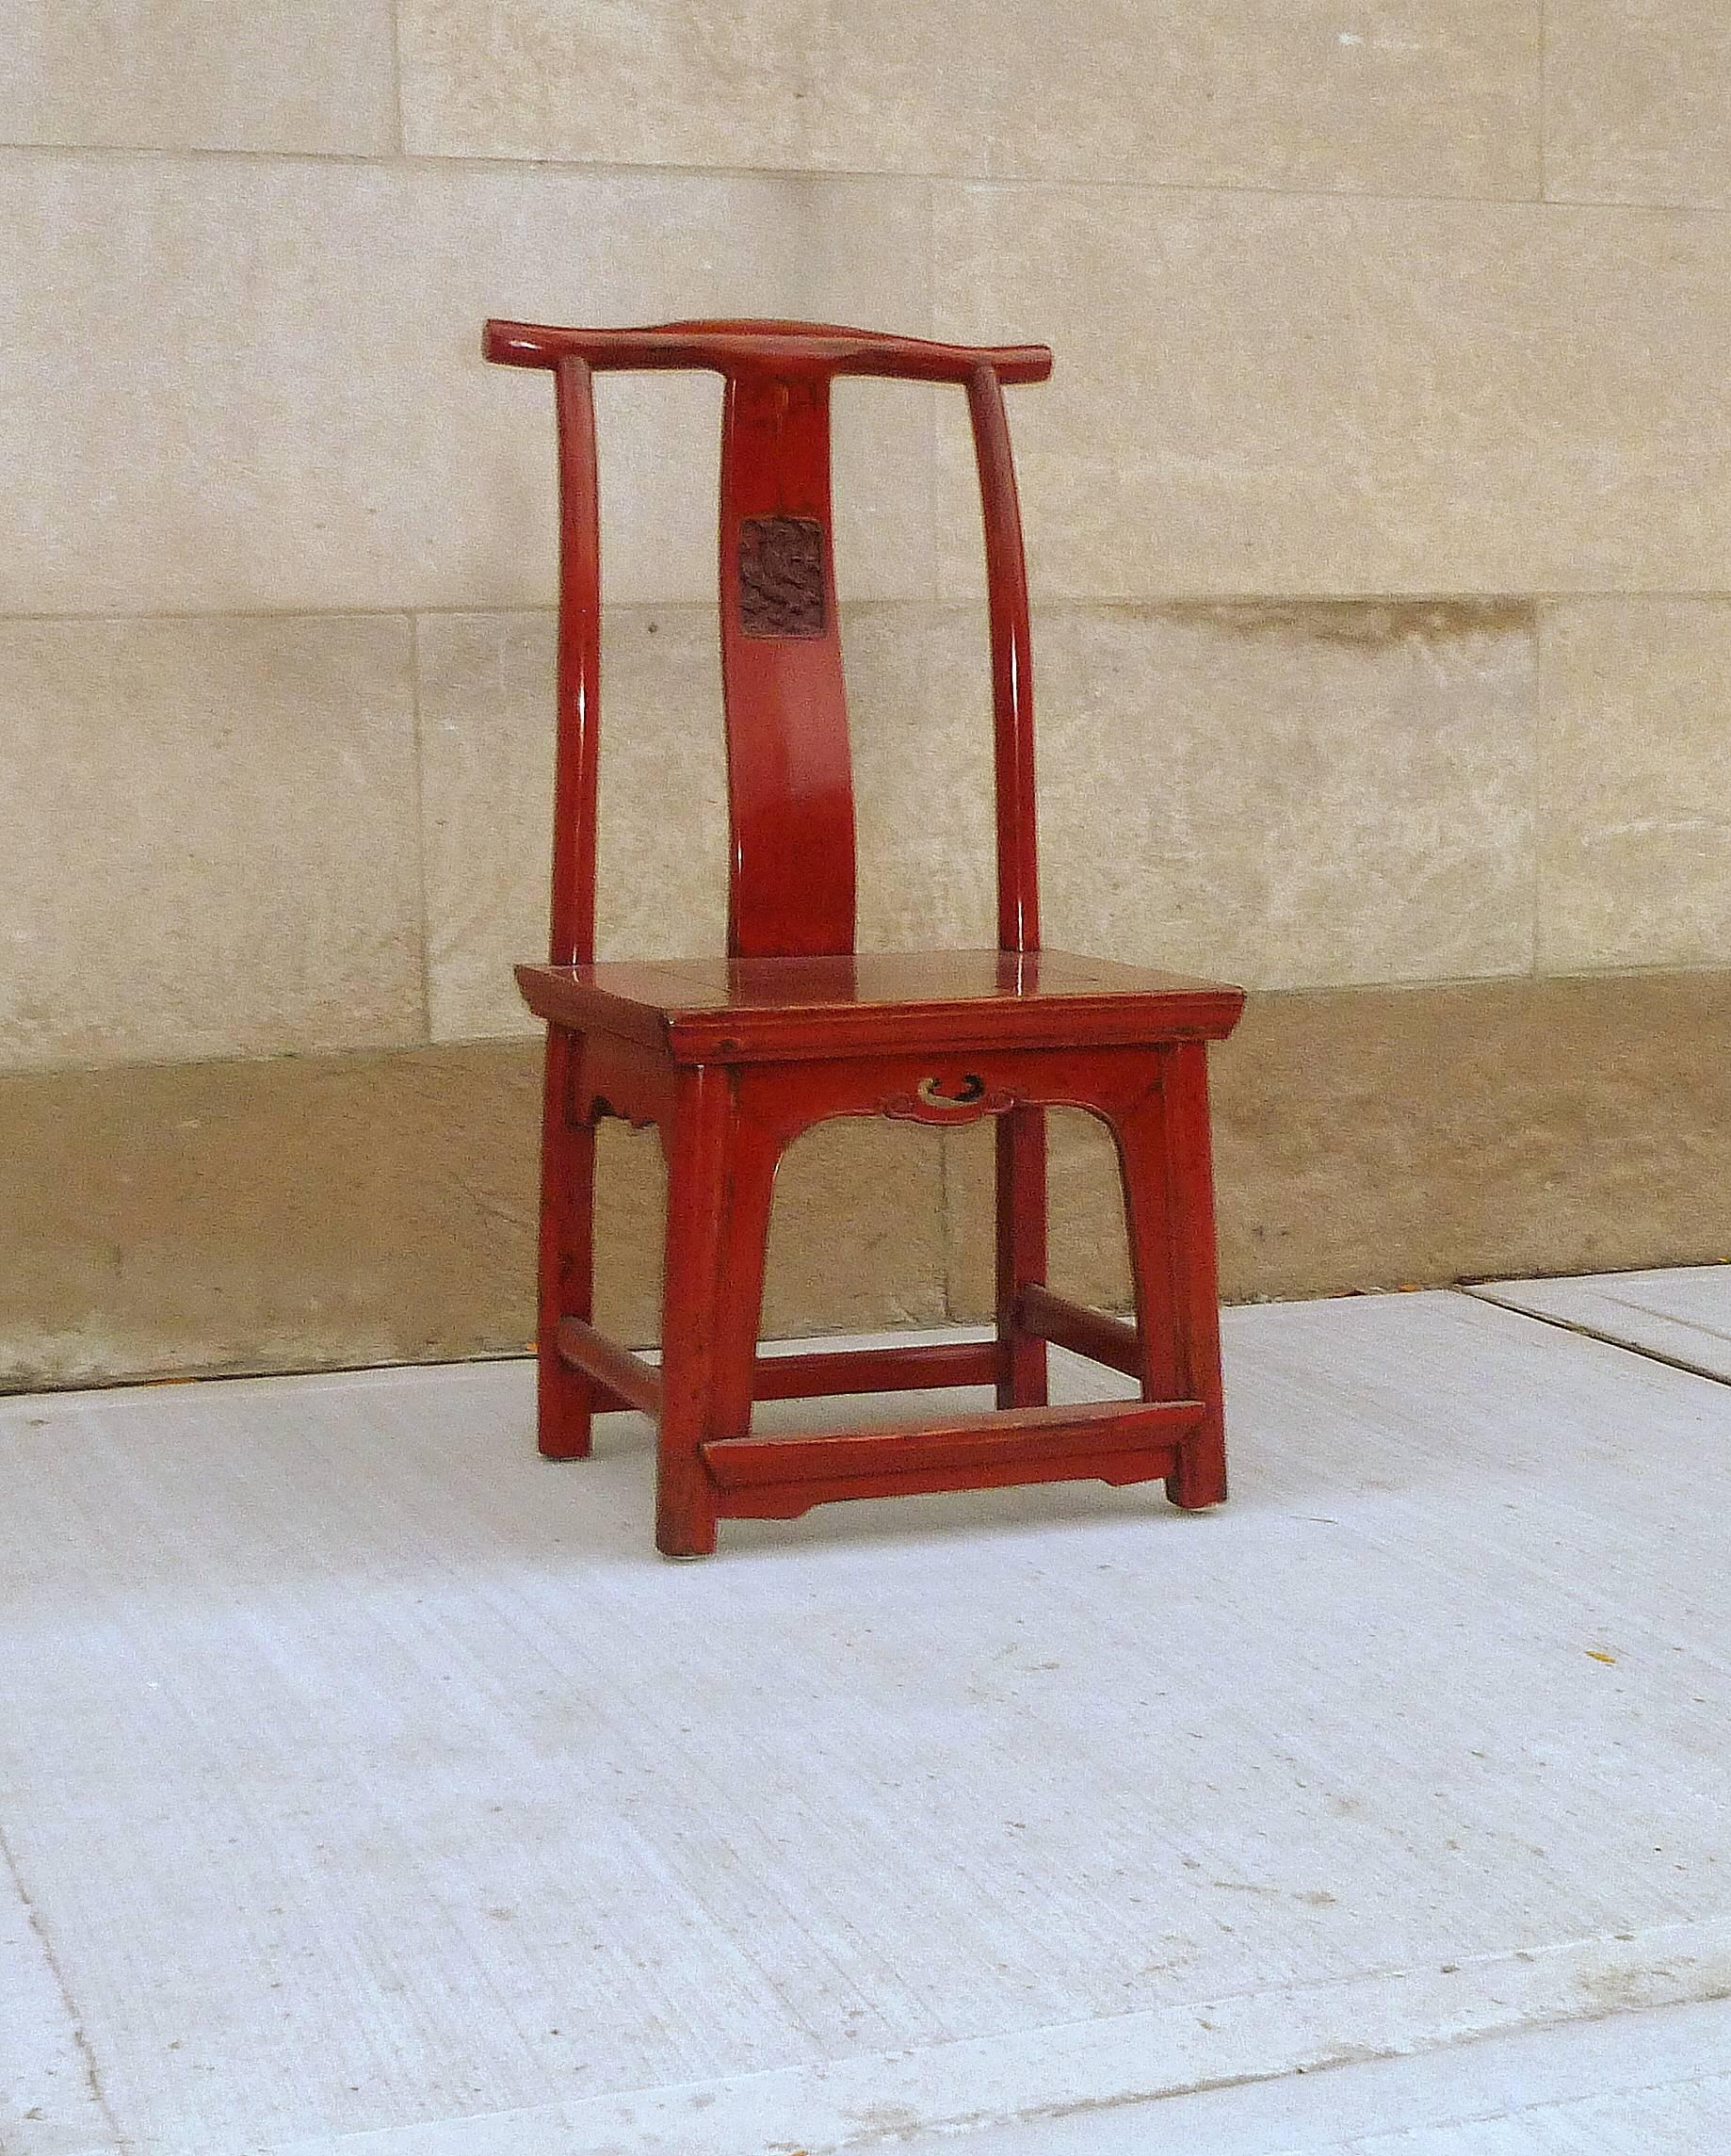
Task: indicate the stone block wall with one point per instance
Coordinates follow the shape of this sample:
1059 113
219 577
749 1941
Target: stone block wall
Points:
1379 523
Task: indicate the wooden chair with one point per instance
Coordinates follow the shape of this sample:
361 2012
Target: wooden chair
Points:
732 1060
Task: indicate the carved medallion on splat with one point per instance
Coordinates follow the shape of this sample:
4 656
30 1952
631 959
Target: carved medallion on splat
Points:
934 1101
781 577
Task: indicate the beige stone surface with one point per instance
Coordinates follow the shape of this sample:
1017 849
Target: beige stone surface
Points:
207 840
302 1212
1087 1255
238 384
487 724
1283 795
1298 395
325 1211
1634 851
856 1233
1289 795
919 714
200 75
922 743
320 1211
1385 1137
1638 101
1400 96
653 84
856 1237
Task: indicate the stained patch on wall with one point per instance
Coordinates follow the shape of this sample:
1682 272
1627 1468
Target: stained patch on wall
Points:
1365 623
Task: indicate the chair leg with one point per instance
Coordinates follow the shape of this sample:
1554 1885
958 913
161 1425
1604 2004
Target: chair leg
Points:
1201 1479
565 1396
720 1174
753 1155
1169 1208
1021 1253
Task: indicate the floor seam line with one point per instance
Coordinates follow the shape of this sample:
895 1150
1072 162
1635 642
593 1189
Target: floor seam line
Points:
1664 1317
81 2043
1587 1332
1374 2054
1457 2117
879 2137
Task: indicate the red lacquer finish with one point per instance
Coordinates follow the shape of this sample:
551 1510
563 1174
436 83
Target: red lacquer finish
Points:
733 1060
577 689
790 786
731 347
1012 668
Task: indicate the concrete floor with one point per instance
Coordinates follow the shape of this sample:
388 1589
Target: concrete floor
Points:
368 1786
1654 2084
1681 1317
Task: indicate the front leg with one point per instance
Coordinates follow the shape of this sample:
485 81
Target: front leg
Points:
1162 1139
565 1282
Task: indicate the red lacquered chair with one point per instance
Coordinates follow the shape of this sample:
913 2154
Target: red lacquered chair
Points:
732 1060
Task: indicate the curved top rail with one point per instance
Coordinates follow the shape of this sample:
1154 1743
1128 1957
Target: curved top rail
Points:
821 347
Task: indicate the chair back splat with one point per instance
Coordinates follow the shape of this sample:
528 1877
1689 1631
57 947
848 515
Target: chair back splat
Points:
790 792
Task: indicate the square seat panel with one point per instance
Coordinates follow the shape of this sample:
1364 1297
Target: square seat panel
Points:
765 1010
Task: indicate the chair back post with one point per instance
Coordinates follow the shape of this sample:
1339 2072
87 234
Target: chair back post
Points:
572 935
1012 672
790 794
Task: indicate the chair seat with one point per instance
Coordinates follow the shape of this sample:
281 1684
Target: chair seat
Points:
757 1010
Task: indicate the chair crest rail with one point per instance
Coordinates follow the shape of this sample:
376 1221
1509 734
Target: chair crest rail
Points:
730 348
